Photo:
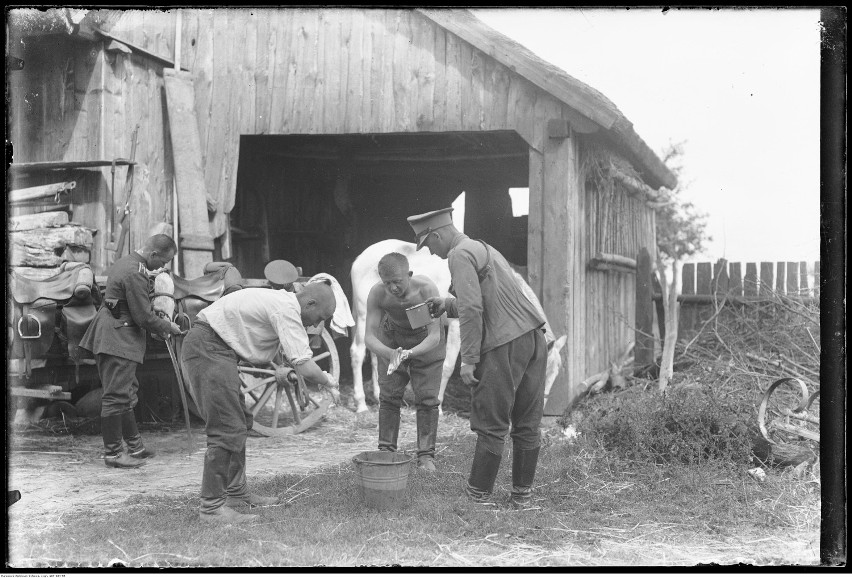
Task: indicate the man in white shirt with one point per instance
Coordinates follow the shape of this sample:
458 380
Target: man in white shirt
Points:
250 325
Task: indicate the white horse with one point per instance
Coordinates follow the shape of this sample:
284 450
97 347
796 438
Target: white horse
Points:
365 275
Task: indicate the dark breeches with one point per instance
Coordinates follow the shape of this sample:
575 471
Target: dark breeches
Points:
510 393
210 369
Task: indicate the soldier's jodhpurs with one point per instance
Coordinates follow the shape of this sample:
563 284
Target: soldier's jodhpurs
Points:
118 380
210 368
510 394
425 375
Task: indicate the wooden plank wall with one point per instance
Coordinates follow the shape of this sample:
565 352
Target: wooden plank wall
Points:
338 71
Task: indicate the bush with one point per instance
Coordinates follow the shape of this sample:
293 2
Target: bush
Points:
685 425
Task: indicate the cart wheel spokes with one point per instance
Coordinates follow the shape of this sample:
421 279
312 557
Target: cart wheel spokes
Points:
266 390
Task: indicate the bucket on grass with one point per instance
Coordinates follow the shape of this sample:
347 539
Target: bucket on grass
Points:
383 478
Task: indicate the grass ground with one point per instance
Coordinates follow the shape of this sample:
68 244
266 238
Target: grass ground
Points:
595 509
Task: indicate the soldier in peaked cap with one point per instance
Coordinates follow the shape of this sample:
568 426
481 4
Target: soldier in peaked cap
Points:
117 338
503 350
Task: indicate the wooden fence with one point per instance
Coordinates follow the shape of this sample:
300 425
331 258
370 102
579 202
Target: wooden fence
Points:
704 285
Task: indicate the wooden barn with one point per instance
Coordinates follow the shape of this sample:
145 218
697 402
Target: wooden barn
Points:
309 134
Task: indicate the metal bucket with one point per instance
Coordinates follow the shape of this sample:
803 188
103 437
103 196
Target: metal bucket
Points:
382 478
418 316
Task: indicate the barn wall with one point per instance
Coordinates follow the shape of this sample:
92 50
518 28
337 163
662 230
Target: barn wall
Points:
620 224
75 101
339 71
329 71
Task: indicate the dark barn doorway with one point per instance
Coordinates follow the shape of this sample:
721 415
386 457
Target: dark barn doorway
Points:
319 200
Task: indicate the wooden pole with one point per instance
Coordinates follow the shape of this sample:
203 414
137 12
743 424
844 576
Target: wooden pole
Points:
644 349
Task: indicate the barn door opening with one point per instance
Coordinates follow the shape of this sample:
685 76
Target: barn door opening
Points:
319 200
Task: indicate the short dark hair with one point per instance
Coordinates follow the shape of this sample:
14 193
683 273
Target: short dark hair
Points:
392 261
162 244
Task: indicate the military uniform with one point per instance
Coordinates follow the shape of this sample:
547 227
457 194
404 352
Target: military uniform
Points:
502 335
117 338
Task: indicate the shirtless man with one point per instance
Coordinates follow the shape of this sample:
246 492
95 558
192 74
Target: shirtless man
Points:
390 336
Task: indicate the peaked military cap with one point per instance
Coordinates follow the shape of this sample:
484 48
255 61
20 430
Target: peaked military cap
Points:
428 223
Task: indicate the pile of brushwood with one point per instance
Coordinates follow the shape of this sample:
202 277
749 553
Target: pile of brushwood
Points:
721 371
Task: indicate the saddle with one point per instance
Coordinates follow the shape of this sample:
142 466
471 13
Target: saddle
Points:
193 295
60 307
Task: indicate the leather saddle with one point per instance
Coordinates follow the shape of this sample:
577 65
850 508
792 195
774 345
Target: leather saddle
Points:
193 295
51 314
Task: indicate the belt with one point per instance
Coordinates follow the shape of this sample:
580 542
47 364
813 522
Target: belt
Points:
208 327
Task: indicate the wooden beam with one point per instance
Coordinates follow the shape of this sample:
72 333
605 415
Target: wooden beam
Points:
62 165
138 49
38 221
644 340
191 190
39 192
561 299
607 261
40 393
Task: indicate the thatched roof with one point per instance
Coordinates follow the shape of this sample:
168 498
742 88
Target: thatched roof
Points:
581 97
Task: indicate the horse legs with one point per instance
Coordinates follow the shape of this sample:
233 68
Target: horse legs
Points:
375 361
357 352
453 348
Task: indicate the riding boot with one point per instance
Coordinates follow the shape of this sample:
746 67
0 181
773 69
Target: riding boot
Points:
483 473
237 492
214 487
524 462
388 428
135 447
427 432
114 453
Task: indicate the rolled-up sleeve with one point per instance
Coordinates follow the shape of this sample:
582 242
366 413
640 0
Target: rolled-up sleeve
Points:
293 337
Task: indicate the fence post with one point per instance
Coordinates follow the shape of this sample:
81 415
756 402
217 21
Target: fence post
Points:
781 268
686 322
792 279
816 281
764 308
644 344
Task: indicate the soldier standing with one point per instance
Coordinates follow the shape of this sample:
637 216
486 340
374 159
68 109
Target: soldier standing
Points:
117 337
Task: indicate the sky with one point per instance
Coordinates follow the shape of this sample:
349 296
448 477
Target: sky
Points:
740 89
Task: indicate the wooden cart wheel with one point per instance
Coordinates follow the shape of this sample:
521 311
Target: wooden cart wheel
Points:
787 413
267 388
325 354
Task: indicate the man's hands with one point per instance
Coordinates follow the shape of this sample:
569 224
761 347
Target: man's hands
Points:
399 355
332 387
437 306
467 374
174 329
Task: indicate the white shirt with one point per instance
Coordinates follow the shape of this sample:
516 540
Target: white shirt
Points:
255 322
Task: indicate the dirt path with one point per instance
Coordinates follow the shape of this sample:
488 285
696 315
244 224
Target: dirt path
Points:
61 473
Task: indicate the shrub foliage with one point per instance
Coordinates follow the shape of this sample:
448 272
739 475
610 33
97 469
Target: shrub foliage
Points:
684 425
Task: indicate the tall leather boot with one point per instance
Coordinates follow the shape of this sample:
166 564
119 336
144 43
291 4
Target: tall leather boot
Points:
135 447
214 486
427 433
483 473
388 428
237 492
114 454
524 462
